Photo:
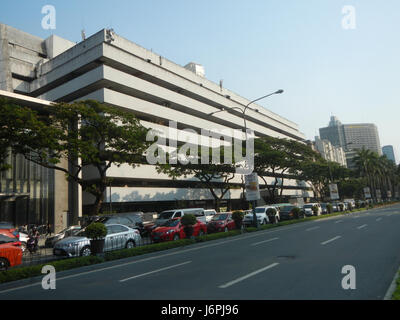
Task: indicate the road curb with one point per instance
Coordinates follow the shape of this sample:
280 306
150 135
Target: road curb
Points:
392 287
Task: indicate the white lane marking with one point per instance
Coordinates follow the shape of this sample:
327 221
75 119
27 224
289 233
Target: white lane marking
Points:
339 221
254 244
379 219
313 228
363 226
257 234
158 270
330 240
228 284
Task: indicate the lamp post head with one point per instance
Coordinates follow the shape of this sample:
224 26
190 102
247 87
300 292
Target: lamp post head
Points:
279 91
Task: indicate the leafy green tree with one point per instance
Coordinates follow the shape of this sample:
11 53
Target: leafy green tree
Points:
277 158
21 127
86 134
316 174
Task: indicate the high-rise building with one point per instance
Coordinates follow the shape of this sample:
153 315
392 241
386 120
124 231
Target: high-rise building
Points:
388 151
352 137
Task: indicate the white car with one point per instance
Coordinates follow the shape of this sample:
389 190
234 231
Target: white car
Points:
308 209
261 214
271 211
209 213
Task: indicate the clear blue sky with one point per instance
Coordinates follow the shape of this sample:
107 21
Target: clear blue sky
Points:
258 46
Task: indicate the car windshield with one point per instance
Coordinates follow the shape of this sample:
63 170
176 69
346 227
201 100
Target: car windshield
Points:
287 209
219 217
171 223
260 210
323 205
5 239
166 215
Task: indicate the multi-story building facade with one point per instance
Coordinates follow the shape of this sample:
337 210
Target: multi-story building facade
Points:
330 152
352 137
388 151
116 71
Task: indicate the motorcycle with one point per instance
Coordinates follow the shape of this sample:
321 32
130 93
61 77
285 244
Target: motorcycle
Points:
32 243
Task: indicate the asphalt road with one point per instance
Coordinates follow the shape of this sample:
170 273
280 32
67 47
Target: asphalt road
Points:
300 261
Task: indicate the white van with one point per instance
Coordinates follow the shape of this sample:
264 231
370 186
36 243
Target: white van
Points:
177 213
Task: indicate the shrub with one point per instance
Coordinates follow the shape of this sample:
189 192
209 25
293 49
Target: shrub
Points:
296 212
315 210
329 208
271 214
188 220
96 231
350 207
341 206
237 216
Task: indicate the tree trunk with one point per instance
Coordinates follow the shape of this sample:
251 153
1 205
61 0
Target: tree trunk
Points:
217 203
97 204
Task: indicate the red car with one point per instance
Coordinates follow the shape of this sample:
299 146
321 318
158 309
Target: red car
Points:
221 222
173 230
7 226
10 253
9 237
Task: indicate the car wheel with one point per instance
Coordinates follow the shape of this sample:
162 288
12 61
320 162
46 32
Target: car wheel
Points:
4 264
130 244
176 237
85 252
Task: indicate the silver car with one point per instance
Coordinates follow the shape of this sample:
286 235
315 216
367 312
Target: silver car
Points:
118 237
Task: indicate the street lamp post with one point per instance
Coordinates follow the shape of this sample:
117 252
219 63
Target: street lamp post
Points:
254 203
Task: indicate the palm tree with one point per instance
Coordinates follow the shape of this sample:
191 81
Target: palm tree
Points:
381 173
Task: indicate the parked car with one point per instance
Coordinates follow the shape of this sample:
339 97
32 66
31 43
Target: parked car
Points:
308 209
286 212
10 227
340 206
8 237
261 214
10 255
173 230
68 232
176 213
324 208
130 219
209 213
221 222
273 214
118 237
335 207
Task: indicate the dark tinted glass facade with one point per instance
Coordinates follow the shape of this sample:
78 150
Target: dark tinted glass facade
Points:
26 193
